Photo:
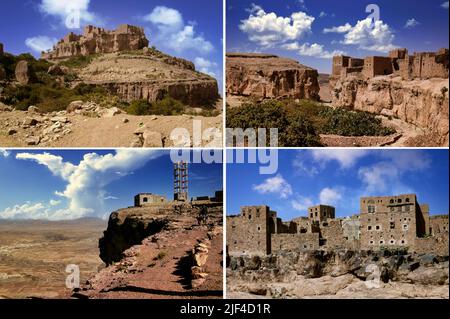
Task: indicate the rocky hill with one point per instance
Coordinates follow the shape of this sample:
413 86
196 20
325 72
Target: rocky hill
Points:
159 252
423 103
338 274
118 85
265 76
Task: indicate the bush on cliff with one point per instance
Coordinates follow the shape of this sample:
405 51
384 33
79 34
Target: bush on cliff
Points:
300 123
78 62
347 123
293 129
166 106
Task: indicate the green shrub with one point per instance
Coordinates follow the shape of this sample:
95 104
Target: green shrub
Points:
78 62
166 106
292 130
139 107
300 123
300 132
348 123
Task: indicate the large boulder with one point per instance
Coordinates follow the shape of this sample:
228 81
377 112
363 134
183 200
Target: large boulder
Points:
264 76
25 73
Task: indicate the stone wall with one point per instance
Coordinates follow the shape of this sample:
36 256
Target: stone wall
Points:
249 232
377 65
295 242
332 235
421 65
148 199
437 245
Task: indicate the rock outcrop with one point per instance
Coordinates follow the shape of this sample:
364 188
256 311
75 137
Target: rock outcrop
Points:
160 251
189 92
340 274
423 103
265 76
151 75
25 73
98 40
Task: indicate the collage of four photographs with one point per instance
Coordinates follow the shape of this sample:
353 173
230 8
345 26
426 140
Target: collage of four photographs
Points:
232 149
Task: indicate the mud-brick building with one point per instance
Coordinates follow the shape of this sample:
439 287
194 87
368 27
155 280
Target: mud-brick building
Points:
420 65
383 222
144 199
392 221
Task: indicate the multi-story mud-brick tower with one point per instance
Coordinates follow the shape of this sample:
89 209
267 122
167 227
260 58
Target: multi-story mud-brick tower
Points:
180 173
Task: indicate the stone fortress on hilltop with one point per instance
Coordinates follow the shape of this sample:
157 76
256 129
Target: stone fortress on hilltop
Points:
98 40
397 222
180 195
420 65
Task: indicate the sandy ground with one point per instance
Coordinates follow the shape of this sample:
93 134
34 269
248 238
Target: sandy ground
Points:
110 132
34 256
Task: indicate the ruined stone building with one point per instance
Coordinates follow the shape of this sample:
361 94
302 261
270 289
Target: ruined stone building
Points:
383 222
98 40
421 65
145 199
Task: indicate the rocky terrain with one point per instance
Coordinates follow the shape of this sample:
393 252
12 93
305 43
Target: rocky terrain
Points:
264 76
68 128
34 256
338 274
421 103
90 82
161 252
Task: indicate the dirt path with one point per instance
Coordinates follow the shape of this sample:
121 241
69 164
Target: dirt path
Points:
160 268
117 131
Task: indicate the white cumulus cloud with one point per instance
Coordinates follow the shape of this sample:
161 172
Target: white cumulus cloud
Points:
85 183
274 185
66 10
314 50
345 157
340 29
4 152
205 66
330 196
174 33
388 173
268 29
40 43
301 203
411 23
371 36
445 5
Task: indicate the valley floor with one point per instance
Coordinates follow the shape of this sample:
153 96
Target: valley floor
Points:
34 256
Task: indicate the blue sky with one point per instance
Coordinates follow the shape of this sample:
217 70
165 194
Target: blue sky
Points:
68 184
339 178
188 29
311 31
